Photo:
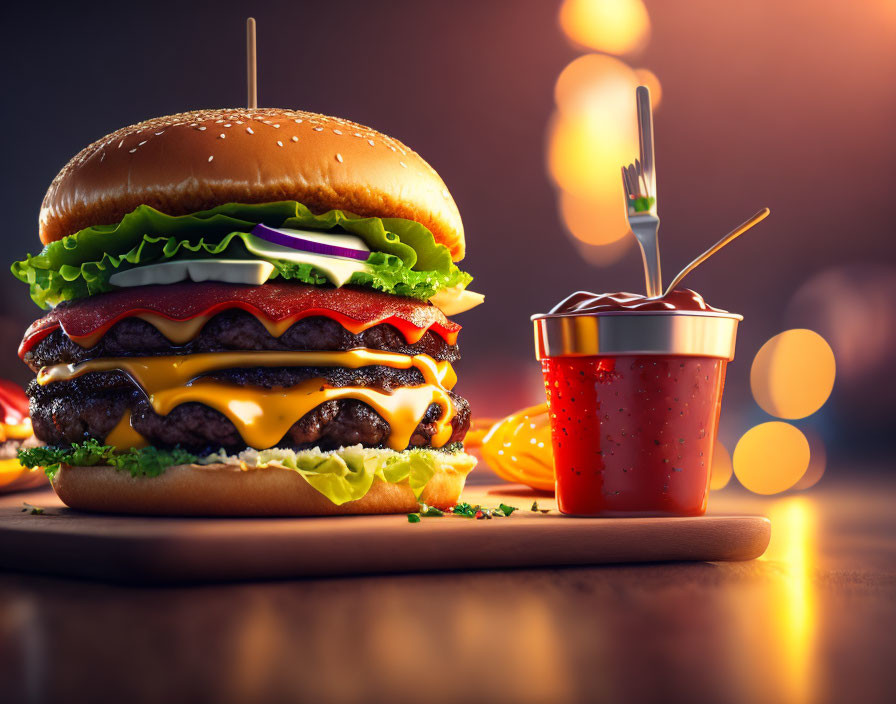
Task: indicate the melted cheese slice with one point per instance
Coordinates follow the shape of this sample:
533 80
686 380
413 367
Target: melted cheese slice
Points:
263 416
153 373
123 434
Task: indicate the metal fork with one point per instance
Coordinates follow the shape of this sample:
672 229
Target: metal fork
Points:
639 182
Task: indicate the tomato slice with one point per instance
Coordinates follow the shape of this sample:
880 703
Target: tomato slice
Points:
13 403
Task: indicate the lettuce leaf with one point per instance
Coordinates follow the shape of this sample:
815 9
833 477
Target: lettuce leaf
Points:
348 473
341 475
405 258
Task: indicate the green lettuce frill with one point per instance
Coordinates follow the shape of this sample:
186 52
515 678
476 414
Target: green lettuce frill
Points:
341 475
348 473
405 259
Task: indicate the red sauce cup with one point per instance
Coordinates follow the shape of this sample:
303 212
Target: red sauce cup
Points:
634 399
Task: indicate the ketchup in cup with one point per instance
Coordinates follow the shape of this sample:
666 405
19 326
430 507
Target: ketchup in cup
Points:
634 388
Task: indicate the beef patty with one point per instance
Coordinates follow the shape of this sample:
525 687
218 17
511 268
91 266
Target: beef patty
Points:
234 330
91 405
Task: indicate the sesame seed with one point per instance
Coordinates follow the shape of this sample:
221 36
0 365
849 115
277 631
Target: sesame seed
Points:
294 138
210 158
159 134
403 164
228 125
279 143
142 143
298 122
202 129
318 129
337 132
239 122
371 142
277 126
218 122
356 134
132 150
102 156
221 136
120 143
249 130
339 158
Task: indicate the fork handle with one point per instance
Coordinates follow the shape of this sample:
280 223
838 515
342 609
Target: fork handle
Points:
653 276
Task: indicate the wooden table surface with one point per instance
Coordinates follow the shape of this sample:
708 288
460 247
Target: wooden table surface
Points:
812 620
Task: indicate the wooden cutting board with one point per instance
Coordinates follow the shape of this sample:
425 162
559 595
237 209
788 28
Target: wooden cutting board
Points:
157 550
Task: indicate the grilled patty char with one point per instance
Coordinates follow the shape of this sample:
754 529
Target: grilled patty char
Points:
234 330
91 405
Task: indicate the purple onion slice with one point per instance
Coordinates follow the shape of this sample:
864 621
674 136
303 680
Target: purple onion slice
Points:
296 241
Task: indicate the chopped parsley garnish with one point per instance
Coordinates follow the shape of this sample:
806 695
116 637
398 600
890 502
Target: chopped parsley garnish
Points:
144 461
641 204
430 511
33 510
464 510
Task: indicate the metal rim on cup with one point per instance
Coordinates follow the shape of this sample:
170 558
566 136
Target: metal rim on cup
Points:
686 333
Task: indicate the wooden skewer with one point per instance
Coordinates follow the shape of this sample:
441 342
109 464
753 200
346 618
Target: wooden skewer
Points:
251 73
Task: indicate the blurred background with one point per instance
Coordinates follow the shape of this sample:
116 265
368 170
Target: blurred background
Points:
526 109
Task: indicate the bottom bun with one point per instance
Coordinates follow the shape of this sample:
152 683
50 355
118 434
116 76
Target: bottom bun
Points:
230 490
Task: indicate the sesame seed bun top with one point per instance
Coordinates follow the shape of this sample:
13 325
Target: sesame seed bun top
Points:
192 161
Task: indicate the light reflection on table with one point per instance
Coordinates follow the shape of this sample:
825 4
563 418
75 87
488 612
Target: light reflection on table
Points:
810 621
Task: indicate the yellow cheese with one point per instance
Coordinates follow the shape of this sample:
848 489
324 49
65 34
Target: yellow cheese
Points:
263 416
124 436
154 373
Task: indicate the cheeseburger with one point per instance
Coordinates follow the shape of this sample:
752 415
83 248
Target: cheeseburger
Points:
249 316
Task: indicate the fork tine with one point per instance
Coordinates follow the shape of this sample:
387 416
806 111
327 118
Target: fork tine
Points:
625 184
642 178
633 178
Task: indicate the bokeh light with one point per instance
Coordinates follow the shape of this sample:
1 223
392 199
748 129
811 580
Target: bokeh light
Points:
771 457
852 307
604 254
585 224
593 133
613 26
793 374
721 467
818 459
